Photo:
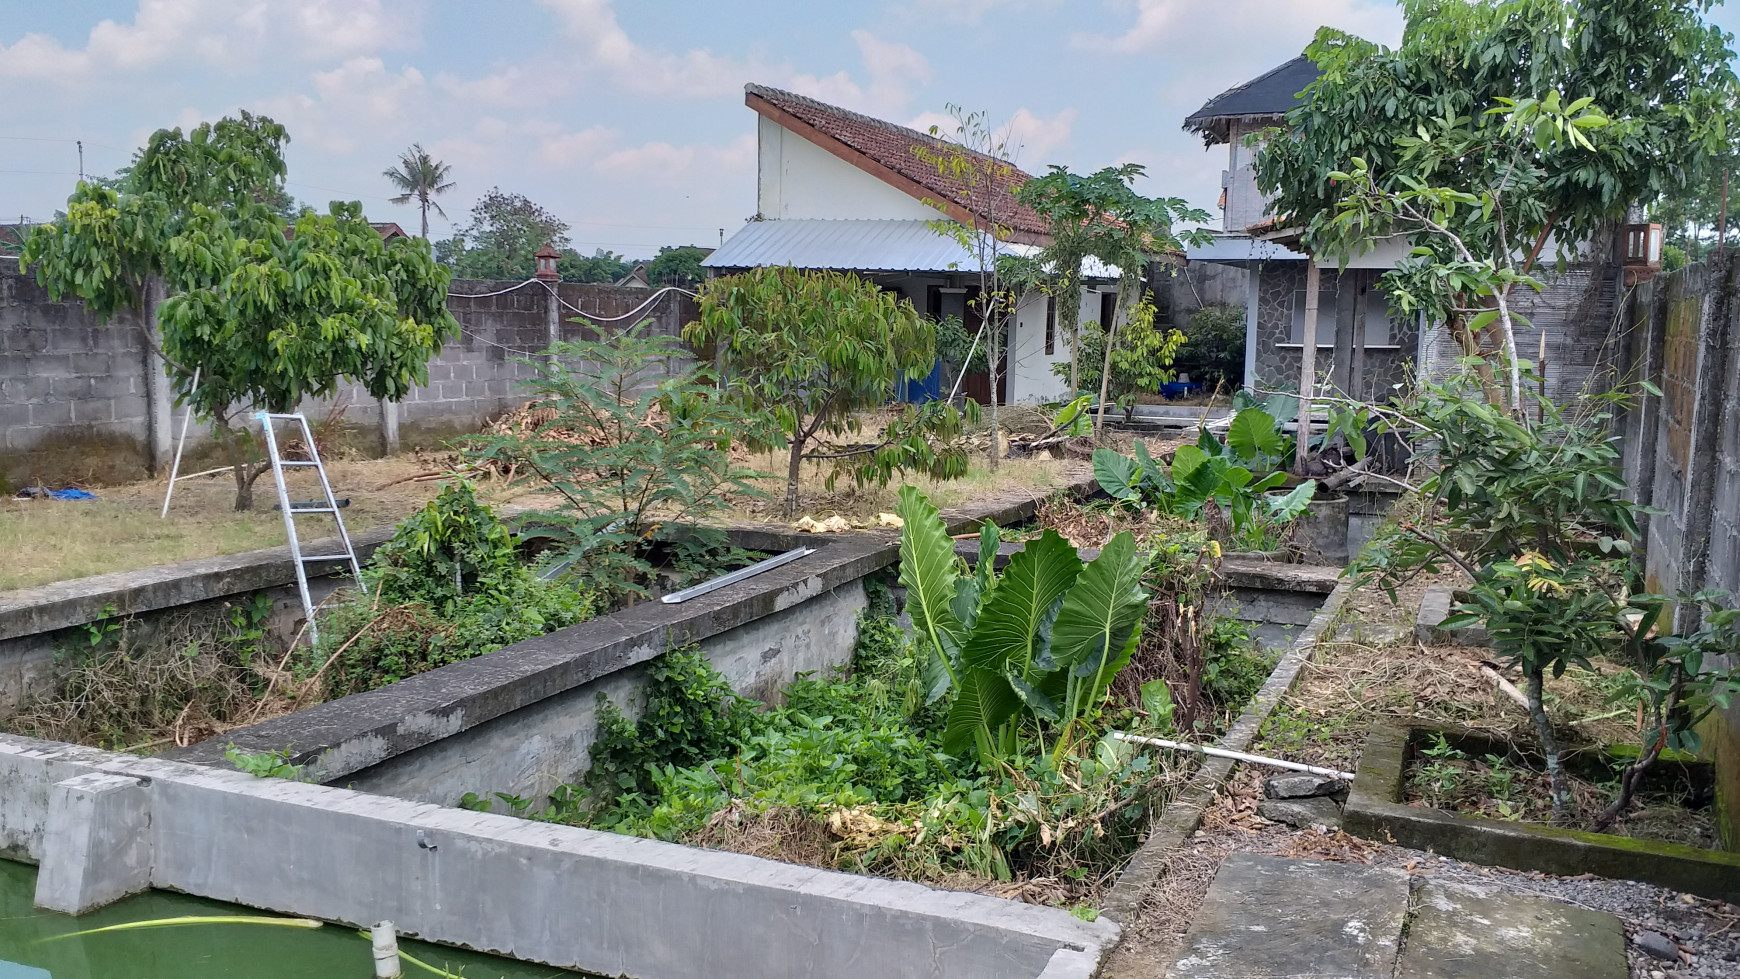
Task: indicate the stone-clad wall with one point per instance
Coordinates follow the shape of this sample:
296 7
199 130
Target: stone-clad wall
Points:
75 403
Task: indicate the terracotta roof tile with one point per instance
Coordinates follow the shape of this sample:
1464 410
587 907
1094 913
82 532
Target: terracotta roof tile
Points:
895 147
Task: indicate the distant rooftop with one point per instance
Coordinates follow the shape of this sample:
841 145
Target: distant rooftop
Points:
1267 96
889 152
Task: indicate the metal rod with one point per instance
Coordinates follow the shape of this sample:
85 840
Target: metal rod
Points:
175 466
734 577
1235 755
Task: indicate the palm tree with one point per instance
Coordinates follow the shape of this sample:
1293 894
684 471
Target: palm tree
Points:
421 177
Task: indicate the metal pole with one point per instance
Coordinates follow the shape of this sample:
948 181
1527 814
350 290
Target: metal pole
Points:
175 467
1235 756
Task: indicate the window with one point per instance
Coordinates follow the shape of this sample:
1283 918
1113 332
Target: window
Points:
1377 318
1327 299
1050 325
1108 308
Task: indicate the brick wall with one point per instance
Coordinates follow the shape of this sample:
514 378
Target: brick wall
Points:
74 404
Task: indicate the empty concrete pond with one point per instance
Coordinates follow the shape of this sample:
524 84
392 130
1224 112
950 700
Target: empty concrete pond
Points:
37 944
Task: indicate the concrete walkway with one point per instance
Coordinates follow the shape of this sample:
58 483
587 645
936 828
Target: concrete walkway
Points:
1270 916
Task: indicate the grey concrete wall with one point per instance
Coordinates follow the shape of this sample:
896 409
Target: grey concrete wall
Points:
1277 357
531 751
73 391
569 897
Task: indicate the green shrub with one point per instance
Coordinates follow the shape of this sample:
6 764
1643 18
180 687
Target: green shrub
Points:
690 714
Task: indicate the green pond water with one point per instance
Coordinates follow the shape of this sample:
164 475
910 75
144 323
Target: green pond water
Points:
211 951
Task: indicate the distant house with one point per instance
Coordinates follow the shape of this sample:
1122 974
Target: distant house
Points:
1363 349
839 190
636 278
389 230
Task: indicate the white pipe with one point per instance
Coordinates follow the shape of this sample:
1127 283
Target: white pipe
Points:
386 945
1235 755
175 466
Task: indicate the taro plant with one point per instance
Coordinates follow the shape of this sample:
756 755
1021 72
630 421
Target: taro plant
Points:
1031 651
630 450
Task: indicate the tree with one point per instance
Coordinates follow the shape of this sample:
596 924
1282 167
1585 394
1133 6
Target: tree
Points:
807 350
1214 347
977 162
678 265
603 266
266 318
1653 65
421 178
501 238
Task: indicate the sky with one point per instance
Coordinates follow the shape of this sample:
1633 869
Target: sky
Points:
626 119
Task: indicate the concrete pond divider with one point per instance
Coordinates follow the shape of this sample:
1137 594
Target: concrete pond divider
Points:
102 825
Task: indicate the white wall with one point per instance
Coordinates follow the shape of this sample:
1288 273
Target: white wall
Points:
1030 376
798 179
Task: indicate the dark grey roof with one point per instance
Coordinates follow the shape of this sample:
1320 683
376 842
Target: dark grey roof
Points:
1269 94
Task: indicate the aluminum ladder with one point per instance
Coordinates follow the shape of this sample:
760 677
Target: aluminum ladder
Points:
297 559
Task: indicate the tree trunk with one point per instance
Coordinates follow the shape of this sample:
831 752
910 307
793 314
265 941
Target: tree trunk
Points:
791 478
993 351
235 448
1307 367
1068 322
1563 806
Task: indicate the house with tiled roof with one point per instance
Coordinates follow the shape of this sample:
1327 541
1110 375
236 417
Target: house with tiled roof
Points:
840 190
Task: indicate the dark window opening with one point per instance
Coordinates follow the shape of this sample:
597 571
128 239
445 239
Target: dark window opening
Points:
1050 325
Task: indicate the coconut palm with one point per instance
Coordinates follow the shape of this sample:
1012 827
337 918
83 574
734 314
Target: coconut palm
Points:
420 177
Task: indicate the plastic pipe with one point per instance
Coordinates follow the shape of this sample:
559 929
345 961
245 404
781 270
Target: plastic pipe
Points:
1234 755
386 946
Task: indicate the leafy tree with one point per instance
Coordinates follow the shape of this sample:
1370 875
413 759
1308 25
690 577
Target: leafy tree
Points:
421 178
501 238
1654 67
603 266
628 449
1692 219
678 265
809 350
267 318
1214 347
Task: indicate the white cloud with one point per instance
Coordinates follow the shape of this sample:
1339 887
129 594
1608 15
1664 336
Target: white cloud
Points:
1180 25
1032 139
228 33
572 149
674 166
604 45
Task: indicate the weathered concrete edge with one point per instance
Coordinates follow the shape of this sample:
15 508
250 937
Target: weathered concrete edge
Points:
1435 608
352 857
341 737
1183 815
63 604
1313 579
1375 811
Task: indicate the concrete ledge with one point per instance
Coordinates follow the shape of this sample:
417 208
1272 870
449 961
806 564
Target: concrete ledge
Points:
1435 607
1375 811
96 847
1184 815
63 604
569 897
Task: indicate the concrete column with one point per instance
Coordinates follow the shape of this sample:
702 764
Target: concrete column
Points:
553 312
1253 281
1703 456
159 437
96 844
1307 365
389 427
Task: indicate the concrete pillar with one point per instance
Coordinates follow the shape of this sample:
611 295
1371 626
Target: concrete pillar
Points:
159 438
1253 282
96 845
389 427
553 313
1307 365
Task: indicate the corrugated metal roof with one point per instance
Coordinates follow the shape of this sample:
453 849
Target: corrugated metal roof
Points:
857 245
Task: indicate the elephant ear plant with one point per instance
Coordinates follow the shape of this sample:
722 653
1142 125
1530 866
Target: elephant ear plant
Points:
1030 652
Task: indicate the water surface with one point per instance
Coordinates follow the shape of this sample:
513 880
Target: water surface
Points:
202 951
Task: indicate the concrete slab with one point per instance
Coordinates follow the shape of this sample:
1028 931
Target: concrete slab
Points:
97 845
1270 916
1465 933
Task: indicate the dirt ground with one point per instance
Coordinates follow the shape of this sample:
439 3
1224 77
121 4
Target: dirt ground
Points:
52 540
1324 721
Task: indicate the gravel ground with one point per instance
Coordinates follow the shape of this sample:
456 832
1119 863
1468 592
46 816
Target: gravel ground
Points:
1705 933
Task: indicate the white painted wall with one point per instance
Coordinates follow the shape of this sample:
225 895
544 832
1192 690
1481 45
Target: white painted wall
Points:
798 179
1031 379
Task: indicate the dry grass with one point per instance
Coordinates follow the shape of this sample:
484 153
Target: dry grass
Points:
1038 476
48 540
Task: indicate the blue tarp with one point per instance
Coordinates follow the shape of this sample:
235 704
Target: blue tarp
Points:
923 390
70 493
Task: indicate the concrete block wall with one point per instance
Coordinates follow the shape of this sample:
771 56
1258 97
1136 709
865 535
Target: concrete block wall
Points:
74 404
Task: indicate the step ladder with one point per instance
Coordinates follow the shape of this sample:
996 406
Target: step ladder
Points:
299 560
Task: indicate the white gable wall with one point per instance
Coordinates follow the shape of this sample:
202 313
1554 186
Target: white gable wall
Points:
798 179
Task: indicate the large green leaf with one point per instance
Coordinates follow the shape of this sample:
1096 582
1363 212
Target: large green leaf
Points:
1101 619
998 661
1254 434
927 572
1289 507
1119 475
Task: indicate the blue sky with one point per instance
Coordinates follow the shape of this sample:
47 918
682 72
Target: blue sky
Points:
626 119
